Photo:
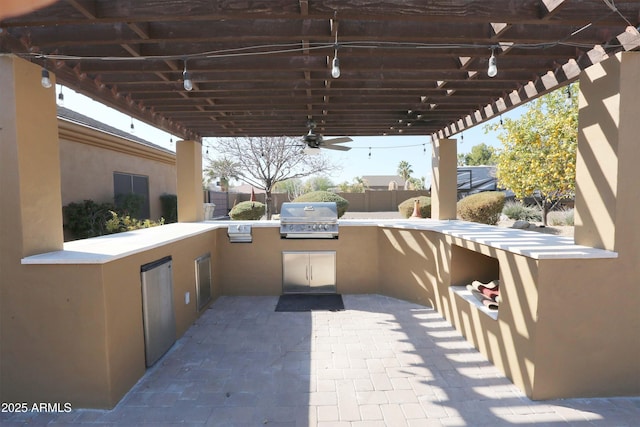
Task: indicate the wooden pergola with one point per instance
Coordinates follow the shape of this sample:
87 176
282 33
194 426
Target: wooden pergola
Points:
263 67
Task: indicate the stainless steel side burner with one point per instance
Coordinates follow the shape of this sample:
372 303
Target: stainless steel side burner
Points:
239 233
317 220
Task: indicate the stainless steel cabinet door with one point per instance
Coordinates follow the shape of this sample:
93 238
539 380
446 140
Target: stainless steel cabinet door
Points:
203 281
322 271
309 272
295 272
158 315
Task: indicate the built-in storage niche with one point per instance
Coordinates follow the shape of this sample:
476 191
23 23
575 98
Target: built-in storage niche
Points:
203 281
468 269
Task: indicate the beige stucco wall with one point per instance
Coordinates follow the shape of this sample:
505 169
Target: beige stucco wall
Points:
29 168
565 327
75 331
88 159
256 268
444 181
189 181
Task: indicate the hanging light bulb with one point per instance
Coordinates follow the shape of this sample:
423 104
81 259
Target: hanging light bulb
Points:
133 128
369 153
61 97
45 81
501 124
335 66
493 64
186 78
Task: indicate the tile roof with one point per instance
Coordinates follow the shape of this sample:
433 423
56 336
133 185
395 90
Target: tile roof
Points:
74 116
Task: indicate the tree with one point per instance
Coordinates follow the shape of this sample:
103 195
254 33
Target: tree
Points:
357 186
405 171
318 183
417 183
294 187
265 161
224 169
480 155
538 158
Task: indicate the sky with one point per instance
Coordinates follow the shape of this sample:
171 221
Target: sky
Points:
386 151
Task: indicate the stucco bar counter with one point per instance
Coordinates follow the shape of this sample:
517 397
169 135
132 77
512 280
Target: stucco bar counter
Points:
555 334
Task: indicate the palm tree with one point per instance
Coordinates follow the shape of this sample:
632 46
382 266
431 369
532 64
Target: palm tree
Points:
405 171
224 169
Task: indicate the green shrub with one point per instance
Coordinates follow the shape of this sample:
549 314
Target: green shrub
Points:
483 207
87 218
121 223
90 219
406 208
561 217
169 206
247 211
325 196
130 204
518 211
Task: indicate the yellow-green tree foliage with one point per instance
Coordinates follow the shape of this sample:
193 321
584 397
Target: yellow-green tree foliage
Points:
539 149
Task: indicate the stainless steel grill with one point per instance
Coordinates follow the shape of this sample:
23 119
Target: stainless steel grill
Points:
317 220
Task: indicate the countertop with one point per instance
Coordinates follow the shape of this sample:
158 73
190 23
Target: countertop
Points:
100 250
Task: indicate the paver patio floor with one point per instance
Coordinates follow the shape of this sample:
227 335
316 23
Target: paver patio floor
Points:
381 362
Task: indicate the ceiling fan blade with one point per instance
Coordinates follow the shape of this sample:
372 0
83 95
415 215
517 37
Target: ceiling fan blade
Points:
335 147
337 140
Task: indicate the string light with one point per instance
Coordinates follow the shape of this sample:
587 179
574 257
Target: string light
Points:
492 71
369 153
260 50
501 124
133 128
61 97
335 64
45 81
186 78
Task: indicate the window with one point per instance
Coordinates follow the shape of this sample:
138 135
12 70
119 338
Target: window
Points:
126 183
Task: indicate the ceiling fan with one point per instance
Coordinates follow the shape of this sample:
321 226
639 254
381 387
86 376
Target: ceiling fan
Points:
317 141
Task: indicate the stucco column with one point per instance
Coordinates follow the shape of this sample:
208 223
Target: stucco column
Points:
189 170
444 179
31 208
608 161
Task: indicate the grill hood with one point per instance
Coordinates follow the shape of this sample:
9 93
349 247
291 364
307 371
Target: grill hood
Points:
317 220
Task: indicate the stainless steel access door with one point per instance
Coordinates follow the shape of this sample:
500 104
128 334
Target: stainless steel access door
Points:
203 281
157 309
309 272
322 271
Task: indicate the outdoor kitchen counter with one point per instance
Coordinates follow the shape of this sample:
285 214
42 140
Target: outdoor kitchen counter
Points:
100 250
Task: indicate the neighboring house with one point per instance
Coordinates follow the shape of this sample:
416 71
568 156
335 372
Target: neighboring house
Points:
98 162
383 182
